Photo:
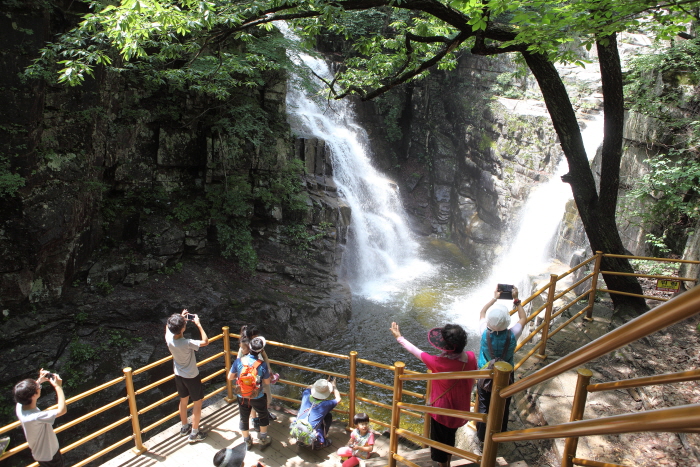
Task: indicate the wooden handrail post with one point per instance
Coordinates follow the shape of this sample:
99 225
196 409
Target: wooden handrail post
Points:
426 417
594 285
227 362
542 348
134 411
395 412
353 388
494 420
579 404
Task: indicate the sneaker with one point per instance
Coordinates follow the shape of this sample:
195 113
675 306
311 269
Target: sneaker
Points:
327 443
256 424
248 442
185 429
197 437
273 417
264 442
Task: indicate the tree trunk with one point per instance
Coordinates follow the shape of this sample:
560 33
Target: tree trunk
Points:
597 212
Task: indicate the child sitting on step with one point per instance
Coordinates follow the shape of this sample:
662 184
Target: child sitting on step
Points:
361 442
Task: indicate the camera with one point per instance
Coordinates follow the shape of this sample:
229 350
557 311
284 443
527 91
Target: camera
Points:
49 375
190 317
506 291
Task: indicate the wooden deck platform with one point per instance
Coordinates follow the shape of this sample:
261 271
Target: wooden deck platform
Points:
169 449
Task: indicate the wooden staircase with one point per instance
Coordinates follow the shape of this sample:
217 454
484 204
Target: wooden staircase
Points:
422 457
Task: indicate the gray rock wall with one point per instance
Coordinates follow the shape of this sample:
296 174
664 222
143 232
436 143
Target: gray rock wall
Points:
97 241
465 162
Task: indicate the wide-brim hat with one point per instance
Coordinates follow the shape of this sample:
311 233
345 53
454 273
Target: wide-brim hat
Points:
234 457
321 389
436 340
497 318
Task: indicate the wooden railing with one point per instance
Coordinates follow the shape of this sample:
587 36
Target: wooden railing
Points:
130 415
676 419
135 412
679 308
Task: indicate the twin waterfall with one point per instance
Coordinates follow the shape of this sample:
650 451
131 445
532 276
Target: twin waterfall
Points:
383 262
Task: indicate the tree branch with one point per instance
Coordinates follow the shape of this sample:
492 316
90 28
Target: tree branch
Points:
452 45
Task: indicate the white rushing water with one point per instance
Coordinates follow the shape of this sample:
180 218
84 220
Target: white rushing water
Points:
381 253
382 261
529 252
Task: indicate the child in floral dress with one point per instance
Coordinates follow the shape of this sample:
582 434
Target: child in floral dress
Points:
361 442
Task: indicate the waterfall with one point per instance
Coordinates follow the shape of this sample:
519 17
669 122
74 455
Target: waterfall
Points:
381 252
529 253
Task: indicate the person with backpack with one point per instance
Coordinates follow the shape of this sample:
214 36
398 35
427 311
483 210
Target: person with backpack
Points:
498 342
249 332
310 427
448 394
250 374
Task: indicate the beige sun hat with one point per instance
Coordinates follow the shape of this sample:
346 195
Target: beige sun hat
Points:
321 389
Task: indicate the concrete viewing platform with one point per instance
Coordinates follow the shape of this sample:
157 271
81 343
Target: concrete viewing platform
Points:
220 420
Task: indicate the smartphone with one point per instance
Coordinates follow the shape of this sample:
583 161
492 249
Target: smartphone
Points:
506 291
190 317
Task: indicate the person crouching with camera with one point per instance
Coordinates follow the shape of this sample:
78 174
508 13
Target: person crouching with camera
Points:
38 424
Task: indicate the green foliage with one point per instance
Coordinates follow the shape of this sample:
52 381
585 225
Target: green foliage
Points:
86 356
167 270
192 212
508 85
661 83
672 184
10 182
302 238
281 187
390 106
145 201
104 288
656 268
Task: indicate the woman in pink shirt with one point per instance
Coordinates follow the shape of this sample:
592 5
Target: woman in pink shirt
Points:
448 394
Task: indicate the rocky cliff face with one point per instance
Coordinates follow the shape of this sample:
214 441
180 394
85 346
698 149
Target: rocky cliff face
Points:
467 162
115 229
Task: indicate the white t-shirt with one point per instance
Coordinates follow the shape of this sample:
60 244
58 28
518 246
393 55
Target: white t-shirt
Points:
184 361
38 428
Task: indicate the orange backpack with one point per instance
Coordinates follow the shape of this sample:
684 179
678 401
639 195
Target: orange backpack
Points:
248 381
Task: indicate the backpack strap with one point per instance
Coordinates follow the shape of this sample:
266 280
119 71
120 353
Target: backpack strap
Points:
505 347
301 417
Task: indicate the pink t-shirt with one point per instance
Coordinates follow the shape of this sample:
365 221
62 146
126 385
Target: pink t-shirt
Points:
447 394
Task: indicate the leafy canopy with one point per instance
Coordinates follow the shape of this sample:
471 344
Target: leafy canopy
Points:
417 34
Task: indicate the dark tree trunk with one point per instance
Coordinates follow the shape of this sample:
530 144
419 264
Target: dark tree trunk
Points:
597 211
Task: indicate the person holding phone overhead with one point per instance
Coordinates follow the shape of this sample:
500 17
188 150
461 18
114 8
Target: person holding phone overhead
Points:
187 378
38 424
498 340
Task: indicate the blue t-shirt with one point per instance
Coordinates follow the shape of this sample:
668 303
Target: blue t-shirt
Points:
263 372
319 409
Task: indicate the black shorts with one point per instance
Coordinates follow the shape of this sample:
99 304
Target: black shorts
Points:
190 387
57 461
